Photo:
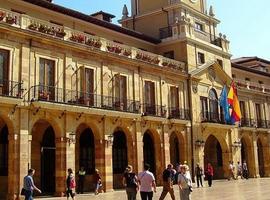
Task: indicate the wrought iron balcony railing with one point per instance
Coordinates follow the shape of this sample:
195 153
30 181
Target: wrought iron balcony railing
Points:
10 88
154 110
179 113
72 97
165 32
212 117
247 122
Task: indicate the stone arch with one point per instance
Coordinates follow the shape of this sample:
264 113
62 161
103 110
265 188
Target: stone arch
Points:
247 153
263 155
91 151
177 148
43 153
152 136
217 153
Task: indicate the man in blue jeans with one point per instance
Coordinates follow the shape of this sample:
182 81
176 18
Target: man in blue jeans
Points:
147 183
29 186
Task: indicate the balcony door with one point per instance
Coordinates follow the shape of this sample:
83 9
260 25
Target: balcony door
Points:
213 104
4 63
46 79
174 93
120 92
204 108
244 120
258 114
87 87
149 96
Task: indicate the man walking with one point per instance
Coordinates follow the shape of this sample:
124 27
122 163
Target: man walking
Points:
231 171
168 175
81 175
199 173
147 183
245 170
29 186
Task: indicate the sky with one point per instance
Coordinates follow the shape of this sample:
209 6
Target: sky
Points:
246 23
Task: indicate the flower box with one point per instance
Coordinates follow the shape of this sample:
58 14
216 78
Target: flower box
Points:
155 61
171 65
33 27
146 58
43 95
60 33
42 29
164 64
77 38
2 15
10 20
115 49
126 52
139 56
94 43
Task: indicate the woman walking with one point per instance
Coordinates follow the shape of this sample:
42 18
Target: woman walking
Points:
71 184
130 181
209 173
185 183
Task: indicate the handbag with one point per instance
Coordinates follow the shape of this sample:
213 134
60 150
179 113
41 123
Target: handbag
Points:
23 191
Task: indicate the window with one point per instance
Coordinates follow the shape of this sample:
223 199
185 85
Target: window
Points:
87 86
174 101
149 97
198 26
201 58
258 112
4 63
213 102
242 109
220 62
120 91
204 108
4 151
87 151
169 54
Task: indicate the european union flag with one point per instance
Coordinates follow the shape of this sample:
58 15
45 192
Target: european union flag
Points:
223 102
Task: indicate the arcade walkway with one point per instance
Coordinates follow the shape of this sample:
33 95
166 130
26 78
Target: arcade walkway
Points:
252 189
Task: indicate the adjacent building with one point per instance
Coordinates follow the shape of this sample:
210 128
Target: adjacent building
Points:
77 90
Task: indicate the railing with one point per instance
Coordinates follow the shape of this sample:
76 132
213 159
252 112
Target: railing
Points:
212 117
252 86
165 32
67 34
263 123
179 113
11 88
154 110
247 122
207 37
72 97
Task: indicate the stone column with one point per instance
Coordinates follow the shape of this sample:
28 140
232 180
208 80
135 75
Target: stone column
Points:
61 165
166 147
255 164
139 145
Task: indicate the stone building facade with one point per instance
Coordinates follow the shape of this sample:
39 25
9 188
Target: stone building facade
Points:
77 90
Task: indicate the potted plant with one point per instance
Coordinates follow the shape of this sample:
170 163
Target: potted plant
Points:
60 33
155 60
117 49
50 31
33 26
110 49
2 15
97 44
127 52
164 64
42 28
139 56
10 19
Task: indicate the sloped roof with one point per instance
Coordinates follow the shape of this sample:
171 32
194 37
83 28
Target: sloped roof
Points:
73 13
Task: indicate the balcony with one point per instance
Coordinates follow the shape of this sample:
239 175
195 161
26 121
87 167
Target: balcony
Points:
212 117
179 113
207 37
10 89
165 32
72 97
154 110
252 86
45 28
247 122
263 123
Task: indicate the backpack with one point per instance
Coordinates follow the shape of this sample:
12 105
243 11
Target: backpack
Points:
131 180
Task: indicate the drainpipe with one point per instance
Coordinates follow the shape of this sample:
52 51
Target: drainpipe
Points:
191 127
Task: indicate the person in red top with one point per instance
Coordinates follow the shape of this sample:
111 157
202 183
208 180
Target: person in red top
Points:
209 173
98 184
71 184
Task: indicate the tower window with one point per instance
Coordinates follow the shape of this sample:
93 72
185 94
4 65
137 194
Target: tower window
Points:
198 26
220 62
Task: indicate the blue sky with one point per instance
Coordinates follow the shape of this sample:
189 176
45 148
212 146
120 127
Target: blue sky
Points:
246 23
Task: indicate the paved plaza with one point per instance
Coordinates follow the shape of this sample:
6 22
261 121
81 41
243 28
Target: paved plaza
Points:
257 189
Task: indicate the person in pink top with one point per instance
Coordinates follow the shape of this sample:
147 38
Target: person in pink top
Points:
209 173
147 183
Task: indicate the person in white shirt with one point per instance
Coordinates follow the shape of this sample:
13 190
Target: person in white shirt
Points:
147 183
184 183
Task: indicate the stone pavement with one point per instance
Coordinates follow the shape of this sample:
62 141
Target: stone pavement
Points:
252 189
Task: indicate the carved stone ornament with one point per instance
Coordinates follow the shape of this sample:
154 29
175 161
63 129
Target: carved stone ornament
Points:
212 73
194 87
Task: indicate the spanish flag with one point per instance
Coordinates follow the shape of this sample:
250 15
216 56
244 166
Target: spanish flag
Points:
234 104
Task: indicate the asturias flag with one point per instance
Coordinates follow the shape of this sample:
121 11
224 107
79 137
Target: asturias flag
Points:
223 102
234 104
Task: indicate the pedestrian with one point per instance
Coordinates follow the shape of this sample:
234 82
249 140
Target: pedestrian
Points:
98 183
231 171
245 170
209 174
147 183
199 174
71 184
239 170
168 176
81 174
29 186
130 181
184 183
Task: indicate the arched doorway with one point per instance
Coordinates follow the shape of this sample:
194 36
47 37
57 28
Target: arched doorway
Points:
174 150
120 159
149 151
48 161
260 158
213 155
245 153
3 160
86 152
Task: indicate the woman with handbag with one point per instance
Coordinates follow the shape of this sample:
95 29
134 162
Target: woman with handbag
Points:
71 184
184 183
